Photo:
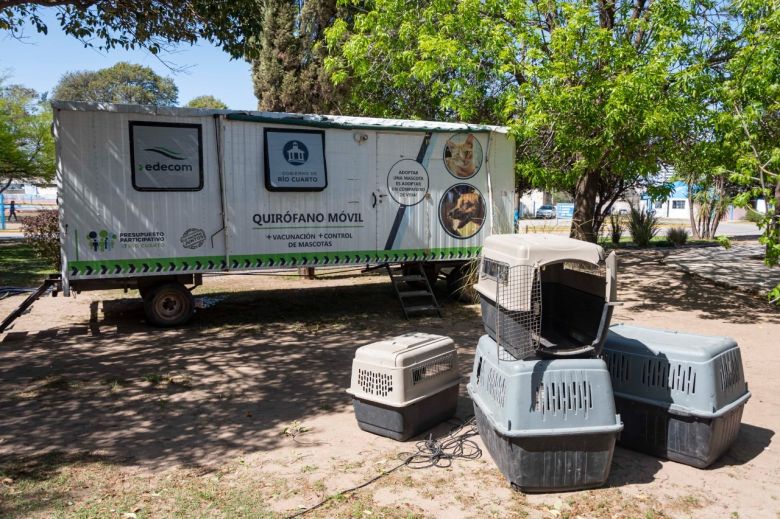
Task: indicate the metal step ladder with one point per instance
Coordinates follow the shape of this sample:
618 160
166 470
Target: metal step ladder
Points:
52 282
413 300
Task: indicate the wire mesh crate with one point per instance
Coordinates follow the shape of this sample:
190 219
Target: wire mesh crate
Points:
681 395
405 385
549 425
546 295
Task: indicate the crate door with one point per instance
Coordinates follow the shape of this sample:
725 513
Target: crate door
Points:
404 204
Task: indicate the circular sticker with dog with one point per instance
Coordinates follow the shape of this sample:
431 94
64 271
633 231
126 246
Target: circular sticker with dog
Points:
407 182
463 155
462 211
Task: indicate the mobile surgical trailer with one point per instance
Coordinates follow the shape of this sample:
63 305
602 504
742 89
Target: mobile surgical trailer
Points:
151 198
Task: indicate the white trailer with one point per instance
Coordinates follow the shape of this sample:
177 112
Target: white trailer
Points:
151 198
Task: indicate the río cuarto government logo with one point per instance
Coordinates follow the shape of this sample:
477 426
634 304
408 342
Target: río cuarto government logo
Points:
296 153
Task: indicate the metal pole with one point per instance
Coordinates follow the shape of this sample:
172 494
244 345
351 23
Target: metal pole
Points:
2 212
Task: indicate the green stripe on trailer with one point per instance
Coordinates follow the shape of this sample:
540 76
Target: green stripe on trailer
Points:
195 264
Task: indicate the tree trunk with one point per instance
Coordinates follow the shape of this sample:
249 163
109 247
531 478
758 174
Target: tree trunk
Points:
775 223
585 195
694 228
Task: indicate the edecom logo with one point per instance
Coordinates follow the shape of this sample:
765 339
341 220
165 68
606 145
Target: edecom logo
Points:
166 156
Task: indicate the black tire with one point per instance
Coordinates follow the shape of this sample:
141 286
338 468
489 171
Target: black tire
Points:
169 304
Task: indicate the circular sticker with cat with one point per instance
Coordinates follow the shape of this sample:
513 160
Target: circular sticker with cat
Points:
463 155
462 211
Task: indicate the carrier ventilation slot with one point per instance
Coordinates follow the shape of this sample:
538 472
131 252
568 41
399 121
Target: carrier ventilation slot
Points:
661 374
372 382
618 365
495 385
730 369
432 368
563 397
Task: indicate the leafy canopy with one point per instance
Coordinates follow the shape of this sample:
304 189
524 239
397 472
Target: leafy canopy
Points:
26 142
150 24
124 83
207 101
595 91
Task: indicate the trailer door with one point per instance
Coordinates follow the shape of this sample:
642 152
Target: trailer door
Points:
404 206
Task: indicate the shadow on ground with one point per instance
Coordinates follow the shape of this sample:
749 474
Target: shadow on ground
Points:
647 284
225 385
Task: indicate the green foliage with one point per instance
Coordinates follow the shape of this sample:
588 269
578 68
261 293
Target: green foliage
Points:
677 235
774 295
750 119
615 228
42 234
124 83
150 24
595 92
723 241
288 71
643 226
206 101
751 215
26 143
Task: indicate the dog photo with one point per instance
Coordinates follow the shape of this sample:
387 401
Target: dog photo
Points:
462 211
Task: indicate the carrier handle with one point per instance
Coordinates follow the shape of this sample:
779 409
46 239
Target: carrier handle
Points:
373 203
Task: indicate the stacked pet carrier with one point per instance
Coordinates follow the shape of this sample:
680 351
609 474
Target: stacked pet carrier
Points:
681 396
542 398
405 385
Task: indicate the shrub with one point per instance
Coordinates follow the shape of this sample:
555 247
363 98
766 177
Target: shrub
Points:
754 216
615 228
42 233
677 235
724 241
643 226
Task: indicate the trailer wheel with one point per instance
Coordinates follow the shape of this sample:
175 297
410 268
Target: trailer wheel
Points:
169 304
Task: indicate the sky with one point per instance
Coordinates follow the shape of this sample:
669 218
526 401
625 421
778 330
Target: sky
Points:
39 61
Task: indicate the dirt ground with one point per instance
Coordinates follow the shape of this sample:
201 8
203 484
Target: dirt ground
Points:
244 411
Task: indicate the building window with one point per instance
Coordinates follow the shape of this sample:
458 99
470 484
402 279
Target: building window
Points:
678 204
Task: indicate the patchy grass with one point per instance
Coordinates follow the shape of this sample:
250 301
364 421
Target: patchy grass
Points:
88 486
626 242
19 267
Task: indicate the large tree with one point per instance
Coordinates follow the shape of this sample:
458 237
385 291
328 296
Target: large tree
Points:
206 101
26 143
595 90
288 71
749 120
124 83
151 24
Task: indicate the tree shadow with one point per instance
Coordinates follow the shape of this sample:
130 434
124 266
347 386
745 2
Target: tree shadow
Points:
648 285
225 384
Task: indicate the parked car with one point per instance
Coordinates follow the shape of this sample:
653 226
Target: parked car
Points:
546 211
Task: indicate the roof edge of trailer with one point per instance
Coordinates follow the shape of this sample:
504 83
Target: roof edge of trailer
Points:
311 120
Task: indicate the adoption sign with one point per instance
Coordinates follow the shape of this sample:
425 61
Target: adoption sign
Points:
295 160
166 156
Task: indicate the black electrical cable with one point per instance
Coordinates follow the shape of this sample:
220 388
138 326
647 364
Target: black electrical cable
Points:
439 452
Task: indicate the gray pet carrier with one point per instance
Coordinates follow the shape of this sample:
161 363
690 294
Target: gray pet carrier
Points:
550 425
546 294
405 385
680 395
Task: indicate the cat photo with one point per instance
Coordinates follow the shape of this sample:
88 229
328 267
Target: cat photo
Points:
463 155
